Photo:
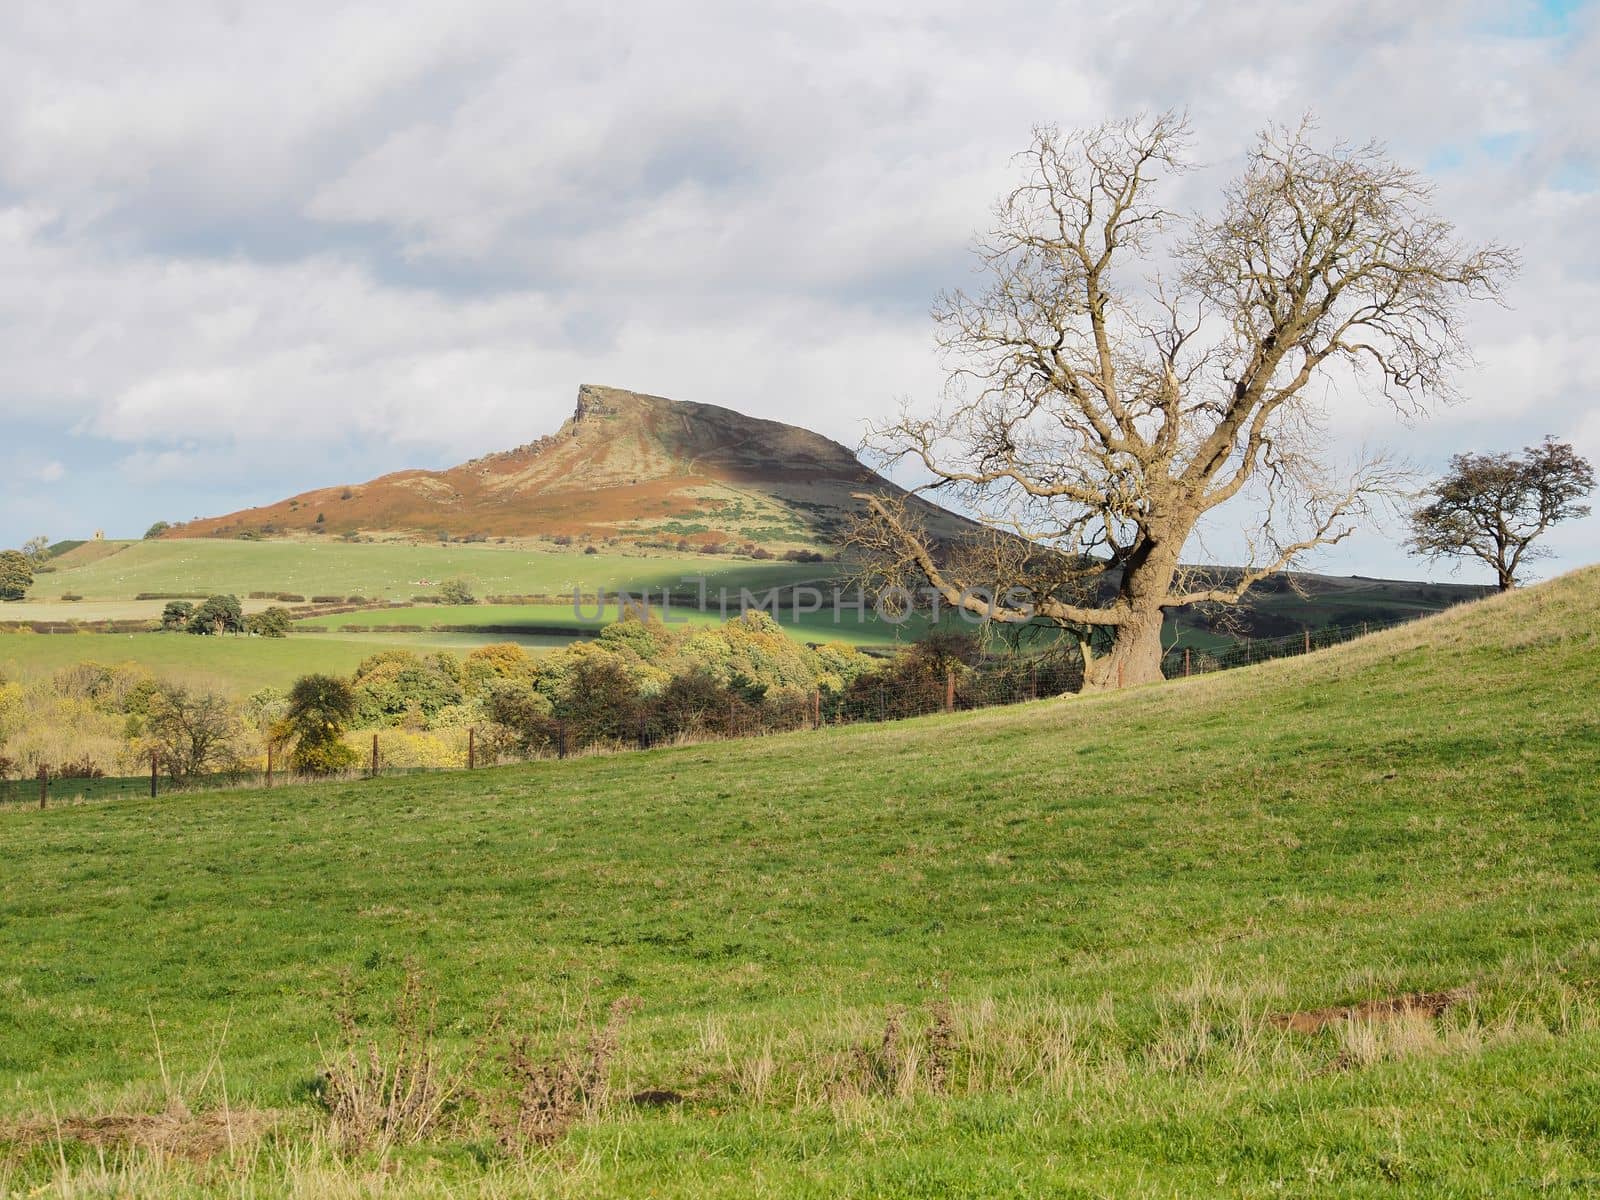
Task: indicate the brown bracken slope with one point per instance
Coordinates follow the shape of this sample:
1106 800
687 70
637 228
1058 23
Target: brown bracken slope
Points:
625 465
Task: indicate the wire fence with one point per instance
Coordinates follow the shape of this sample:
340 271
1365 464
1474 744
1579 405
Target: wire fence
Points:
1182 661
713 715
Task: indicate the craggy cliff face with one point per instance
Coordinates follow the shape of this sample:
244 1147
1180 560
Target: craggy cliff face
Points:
625 464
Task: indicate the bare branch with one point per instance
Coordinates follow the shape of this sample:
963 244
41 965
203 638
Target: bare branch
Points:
1100 416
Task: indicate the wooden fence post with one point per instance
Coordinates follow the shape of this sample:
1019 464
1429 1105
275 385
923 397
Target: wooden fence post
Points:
1119 675
561 739
153 761
472 747
816 709
44 784
269 762
1308 640
1186 662
374 756
949 689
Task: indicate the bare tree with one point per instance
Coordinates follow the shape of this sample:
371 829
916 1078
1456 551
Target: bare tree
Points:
192 732
1494 506
1098 413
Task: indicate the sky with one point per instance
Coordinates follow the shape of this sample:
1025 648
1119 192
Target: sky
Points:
247 249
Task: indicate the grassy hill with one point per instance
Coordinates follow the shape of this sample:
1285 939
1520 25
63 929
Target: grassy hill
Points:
1081 947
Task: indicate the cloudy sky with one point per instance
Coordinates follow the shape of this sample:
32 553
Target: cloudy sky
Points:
249 249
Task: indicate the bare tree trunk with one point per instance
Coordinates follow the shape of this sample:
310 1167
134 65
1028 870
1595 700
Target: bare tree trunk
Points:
1135 656
1505 563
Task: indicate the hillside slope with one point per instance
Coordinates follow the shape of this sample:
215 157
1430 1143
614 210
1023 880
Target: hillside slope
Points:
1115 897
626 464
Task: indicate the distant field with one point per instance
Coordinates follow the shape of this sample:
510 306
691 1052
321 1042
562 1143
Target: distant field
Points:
384 570
236 664
812 627
42 608
110 574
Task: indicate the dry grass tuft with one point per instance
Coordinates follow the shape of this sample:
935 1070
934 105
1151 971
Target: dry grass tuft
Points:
383 1094
550 1093
915 1054
941 1042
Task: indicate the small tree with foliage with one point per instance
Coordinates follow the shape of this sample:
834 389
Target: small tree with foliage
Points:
1494 506
193 732
157 529
37 551
176 614
272 622
320 710
502 660
16 575
219 614
457 591
396 687
694 702
600 703
521 718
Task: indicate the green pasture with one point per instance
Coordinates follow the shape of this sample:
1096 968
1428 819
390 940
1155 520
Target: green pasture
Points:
390 570
1048 950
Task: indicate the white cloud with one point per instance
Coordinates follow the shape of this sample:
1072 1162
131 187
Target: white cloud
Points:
408 231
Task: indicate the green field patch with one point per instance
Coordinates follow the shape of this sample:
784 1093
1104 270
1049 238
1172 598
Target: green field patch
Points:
1098 915
393 570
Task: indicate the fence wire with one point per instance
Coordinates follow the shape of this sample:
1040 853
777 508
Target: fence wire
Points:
1181 661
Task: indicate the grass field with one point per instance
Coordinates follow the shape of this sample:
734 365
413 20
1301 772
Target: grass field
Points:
1113 895
109 575
384 570
89 612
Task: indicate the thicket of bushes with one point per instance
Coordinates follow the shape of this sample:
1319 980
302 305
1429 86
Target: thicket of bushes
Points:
636 677
639 681
90 720
644 682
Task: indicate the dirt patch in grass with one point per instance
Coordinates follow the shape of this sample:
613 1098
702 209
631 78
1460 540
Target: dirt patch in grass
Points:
656 1098
1389 1008
175 1132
